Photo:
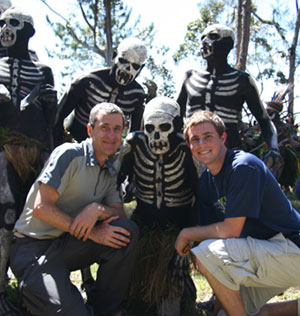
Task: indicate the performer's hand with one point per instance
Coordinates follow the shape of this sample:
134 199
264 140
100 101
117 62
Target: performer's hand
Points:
4 94
48 94
109 235
48 99
273 160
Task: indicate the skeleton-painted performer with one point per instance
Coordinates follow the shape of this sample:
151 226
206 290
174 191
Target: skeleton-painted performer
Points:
160 165
219 88
4 5
114 84
27 115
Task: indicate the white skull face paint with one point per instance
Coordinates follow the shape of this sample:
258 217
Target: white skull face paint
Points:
158 121
213 34
4 5
11 21
131 55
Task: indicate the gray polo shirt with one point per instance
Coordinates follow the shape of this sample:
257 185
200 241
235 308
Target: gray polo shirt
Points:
74 172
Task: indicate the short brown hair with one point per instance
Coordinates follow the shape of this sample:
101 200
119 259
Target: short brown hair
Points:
201 117
107 108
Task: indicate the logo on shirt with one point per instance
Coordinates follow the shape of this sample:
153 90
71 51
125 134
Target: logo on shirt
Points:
220 205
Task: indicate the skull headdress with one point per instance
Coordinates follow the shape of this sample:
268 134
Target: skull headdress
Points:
13 20
131 55
4 5
159 115
213 37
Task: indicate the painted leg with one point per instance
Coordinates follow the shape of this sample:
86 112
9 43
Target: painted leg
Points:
5 243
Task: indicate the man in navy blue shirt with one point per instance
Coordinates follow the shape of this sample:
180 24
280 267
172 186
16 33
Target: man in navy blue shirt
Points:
249 232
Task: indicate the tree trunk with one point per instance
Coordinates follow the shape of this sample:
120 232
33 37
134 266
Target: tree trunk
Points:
292 64
108 33
243 33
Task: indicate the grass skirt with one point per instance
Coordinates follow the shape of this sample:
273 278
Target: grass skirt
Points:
159 272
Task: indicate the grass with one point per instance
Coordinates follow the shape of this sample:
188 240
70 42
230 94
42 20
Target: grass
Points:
204 291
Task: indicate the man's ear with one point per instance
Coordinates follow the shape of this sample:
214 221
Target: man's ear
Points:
187 143
89 129
224 137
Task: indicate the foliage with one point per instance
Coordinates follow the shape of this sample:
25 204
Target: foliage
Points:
94 28
210 12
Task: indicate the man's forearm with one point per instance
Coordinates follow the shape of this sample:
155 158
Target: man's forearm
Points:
115 209
53 216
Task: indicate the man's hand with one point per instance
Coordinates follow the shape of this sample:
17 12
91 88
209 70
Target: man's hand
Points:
109 235
183 243
84 221
273 160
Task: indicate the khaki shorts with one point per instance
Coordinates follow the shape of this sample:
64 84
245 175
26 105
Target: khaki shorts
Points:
260 269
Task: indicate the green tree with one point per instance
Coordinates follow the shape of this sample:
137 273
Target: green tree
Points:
93 29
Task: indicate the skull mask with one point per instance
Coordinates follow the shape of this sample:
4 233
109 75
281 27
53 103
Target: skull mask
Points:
158 118
212 37
12 21
131 55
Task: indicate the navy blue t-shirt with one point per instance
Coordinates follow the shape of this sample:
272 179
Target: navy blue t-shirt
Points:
246 187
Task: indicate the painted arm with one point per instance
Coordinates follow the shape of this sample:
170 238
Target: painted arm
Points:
66 104
256 107
272 159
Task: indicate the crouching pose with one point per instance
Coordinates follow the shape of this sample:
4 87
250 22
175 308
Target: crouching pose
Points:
59 232
27 113
249 232
160 165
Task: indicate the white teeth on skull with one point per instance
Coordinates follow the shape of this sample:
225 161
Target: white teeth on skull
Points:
159 145
7 37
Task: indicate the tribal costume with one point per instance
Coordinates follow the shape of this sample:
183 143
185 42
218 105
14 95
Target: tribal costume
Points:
223 90
161 167
27 114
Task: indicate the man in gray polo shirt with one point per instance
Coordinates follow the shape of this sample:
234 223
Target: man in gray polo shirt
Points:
59 232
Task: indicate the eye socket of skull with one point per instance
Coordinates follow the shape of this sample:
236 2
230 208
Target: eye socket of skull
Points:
14 22
165 127
125 61
149 128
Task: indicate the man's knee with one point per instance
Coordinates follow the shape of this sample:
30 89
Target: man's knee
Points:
130 226
207 250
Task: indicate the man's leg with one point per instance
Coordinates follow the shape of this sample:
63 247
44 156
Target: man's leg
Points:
115 267
114 275
289 308
44 279
230 299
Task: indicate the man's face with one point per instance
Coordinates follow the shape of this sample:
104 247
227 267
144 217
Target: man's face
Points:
106 134
207 146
